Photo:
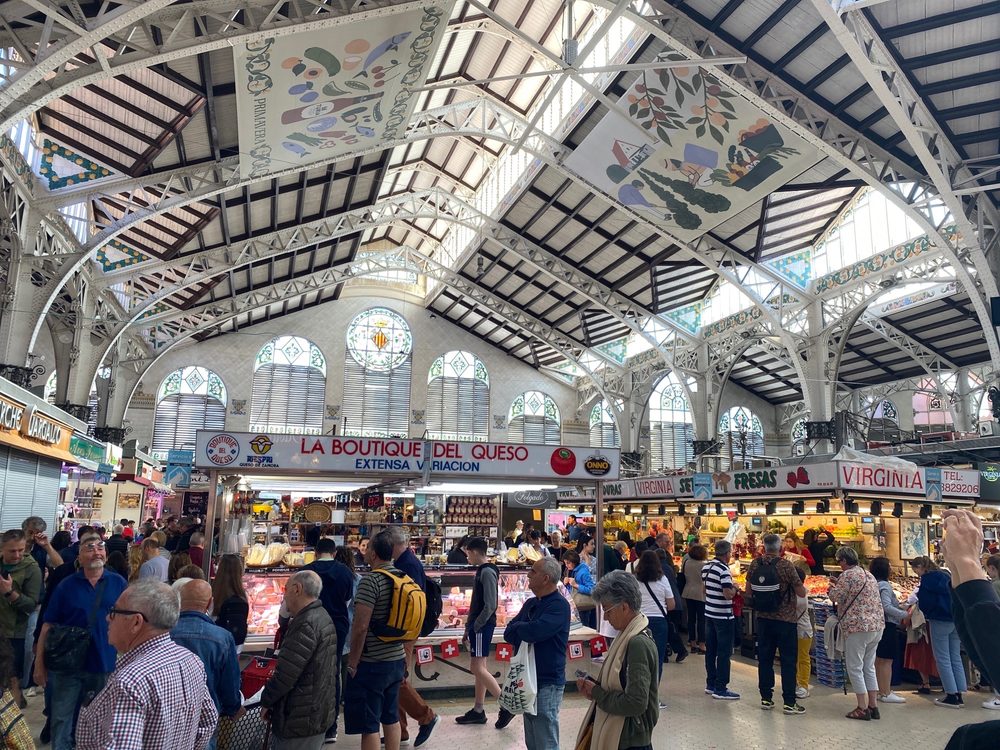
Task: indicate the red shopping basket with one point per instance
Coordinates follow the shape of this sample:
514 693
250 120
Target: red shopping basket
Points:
260 669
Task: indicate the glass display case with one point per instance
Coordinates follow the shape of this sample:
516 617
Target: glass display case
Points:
265 589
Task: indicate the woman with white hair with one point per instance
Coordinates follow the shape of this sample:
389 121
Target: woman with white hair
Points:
859 607
624 706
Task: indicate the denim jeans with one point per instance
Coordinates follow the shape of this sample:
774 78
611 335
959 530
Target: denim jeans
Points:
29 645
948 655
719 653
658 627
69 689
541 731
783 637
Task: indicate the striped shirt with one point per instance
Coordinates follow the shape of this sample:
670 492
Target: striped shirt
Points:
376 591
716 577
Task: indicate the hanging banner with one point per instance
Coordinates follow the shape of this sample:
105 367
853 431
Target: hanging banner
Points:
396 456
702 487
932 487
313 96
905 481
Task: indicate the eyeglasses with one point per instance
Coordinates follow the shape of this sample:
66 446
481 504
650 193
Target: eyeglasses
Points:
613 606
116 611
93 546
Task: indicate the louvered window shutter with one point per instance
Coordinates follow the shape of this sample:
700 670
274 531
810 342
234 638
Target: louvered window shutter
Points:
288 399
376 404
458 409
671 444
179 417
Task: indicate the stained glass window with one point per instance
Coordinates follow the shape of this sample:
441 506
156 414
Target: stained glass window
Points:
931 412
603 428
379 340
458 398
671 426
742 437
188 400
534 418
377 375
289 387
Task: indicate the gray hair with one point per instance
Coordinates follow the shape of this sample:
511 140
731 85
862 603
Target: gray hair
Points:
847 555
722 547
396 535
772 543
310 582
117 529
551 567
34 522
157 601
197 538
555 536
617 587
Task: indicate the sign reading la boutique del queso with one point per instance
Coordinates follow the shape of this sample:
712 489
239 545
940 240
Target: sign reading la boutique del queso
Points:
353 455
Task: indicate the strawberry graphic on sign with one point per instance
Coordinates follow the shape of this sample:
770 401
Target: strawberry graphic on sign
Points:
504 651
795 478
449 649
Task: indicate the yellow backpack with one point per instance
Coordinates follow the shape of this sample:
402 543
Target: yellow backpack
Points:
406 610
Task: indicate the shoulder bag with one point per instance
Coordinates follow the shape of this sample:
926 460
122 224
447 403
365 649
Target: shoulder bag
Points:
66 646
834 638
663 610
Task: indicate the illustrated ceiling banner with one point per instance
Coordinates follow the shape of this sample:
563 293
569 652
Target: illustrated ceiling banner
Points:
308 97
691 153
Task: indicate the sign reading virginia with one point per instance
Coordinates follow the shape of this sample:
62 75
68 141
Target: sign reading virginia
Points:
310 97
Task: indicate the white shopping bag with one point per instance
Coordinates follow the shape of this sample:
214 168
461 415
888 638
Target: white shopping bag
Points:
520 686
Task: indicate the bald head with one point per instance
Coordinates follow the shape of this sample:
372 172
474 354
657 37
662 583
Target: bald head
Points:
196 596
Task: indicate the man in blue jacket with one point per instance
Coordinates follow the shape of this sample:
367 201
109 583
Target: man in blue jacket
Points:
214 645
544 622
338 590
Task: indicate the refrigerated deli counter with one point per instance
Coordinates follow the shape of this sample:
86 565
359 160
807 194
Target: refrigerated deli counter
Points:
265 589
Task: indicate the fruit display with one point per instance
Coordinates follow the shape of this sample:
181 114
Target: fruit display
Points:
817 585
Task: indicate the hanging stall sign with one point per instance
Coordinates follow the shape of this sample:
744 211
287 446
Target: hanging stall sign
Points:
195 504
104 472
531 499
906 481
28 428
989 482
702 484
87 449
397 456
317 95
178 472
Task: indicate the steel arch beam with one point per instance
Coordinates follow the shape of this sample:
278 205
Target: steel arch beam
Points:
847 147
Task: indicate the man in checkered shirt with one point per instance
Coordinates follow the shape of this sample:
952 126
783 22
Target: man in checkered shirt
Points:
157 696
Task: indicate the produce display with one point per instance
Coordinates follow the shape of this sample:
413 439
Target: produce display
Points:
263 556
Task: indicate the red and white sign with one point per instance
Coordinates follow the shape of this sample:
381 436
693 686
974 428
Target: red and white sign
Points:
380 456
576 650
425 654
504 651
903 481
598 646
449 649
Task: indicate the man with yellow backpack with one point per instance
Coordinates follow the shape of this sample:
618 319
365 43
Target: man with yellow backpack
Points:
388 611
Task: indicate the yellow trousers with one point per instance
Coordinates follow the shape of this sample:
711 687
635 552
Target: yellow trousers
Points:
803 664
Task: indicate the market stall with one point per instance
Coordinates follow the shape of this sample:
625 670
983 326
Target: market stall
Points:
434 489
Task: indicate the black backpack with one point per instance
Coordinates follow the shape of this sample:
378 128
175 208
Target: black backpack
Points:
435 603
765 585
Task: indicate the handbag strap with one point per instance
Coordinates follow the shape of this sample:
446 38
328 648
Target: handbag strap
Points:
848 607
658 604
92 617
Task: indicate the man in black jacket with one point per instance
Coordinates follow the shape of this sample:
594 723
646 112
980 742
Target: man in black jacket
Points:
307 658
338 590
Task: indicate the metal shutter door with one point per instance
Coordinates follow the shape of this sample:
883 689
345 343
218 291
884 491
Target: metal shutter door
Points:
19 489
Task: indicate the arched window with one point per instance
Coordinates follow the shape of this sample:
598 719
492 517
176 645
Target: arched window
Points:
458 398
884 425
289 387
189 399
377 375
671 427
534 418
603 428
742 437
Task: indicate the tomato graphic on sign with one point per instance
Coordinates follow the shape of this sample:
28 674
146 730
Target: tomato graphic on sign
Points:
563 461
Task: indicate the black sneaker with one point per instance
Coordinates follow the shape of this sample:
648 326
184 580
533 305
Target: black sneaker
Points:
949 701
472 716
766 704
682 656
793 710
504 718
425 731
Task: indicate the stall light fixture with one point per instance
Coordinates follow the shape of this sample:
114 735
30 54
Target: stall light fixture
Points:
876 508
663 510
741 509
925 511
681 510
718 509
702 509
851 507
798 508
897 510
771 508
580 510
823 506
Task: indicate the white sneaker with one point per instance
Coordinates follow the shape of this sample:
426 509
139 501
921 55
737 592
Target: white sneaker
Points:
993 705
891 698
663 706
801 692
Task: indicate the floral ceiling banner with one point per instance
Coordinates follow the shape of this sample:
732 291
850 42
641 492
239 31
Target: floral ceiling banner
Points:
313 96
691 153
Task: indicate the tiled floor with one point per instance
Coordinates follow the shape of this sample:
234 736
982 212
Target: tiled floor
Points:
693 721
